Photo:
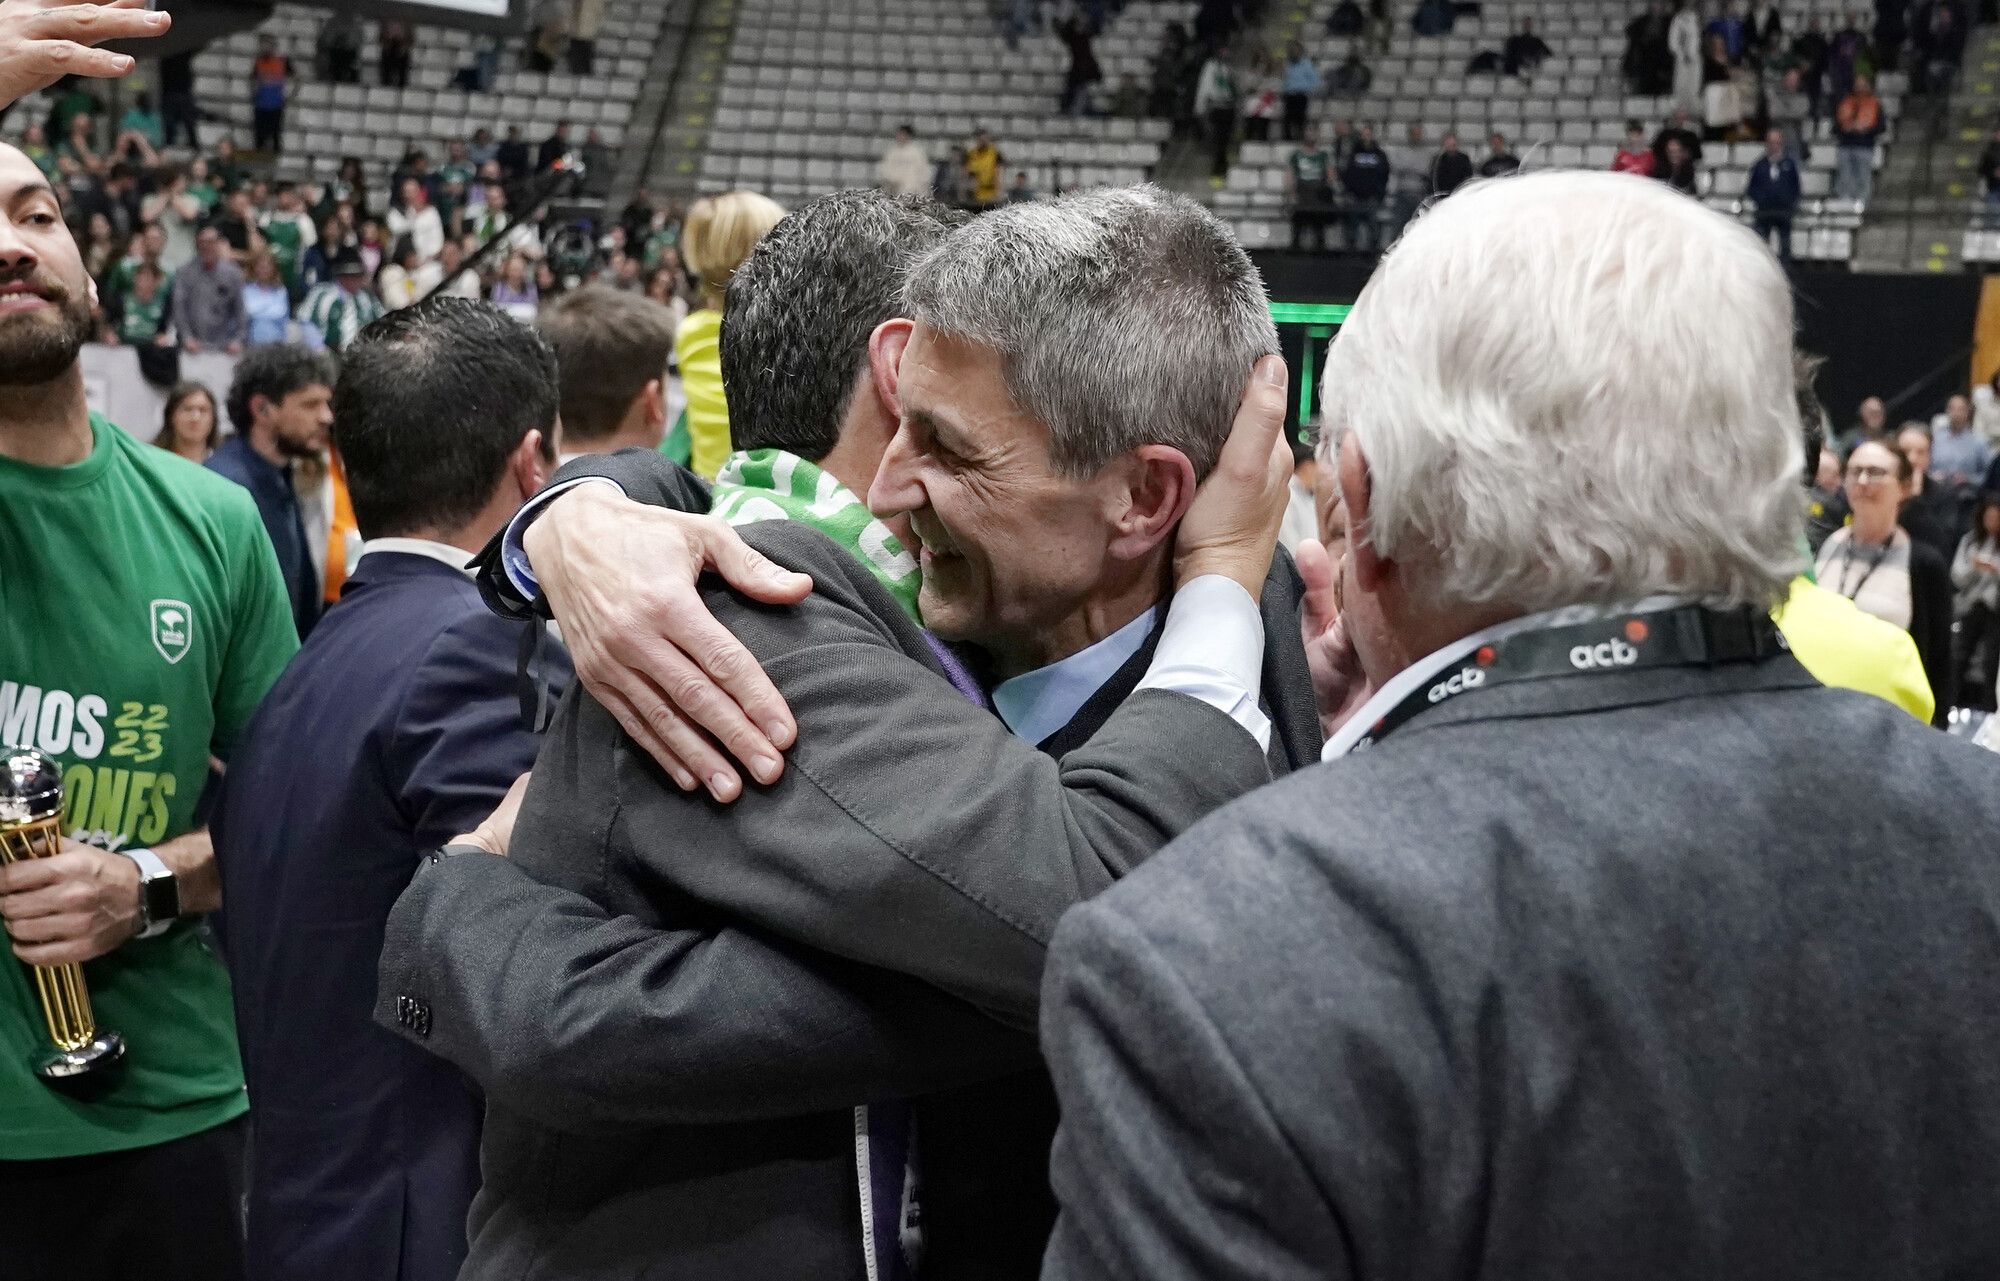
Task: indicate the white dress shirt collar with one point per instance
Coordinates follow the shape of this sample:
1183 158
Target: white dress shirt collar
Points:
1417 674
456 557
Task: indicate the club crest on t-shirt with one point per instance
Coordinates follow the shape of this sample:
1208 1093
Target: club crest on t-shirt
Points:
173 629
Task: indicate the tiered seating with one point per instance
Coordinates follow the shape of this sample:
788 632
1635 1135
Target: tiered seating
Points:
1570 114
815 89
1980 247
326 121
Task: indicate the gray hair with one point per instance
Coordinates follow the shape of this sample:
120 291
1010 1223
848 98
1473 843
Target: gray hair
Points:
1576 388
1122 318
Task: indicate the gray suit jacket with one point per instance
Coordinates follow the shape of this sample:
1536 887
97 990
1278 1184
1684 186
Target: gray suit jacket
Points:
950 848
1679 973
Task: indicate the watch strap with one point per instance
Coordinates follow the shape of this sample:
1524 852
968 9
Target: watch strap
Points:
159 893
444 852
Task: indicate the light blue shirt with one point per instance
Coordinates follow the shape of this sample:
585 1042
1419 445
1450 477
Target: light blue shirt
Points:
269 310
1036 704
1302 77
1964 452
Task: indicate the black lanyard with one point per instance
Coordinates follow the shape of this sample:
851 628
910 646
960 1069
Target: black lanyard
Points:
1874 563
1678 636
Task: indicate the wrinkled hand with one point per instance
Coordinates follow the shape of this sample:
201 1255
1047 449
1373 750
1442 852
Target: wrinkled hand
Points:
495 832
73 907
1339 687
42 41
620 579
1232 528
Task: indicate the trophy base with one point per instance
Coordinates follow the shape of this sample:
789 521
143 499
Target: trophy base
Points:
86 1063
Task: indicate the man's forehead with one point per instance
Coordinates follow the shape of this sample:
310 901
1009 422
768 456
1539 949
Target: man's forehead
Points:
16 171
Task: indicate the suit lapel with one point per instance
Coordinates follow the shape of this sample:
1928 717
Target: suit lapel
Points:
1287 696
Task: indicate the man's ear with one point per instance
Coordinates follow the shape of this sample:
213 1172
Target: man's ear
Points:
654 393
529 465
1155 490
1356 488
885 358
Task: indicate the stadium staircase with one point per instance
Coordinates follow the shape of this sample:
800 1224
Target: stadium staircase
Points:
679 102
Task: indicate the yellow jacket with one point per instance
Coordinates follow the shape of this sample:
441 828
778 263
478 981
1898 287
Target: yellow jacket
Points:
698 352
1848 649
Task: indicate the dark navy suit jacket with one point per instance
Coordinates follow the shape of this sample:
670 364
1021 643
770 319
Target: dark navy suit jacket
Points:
278 504
398 726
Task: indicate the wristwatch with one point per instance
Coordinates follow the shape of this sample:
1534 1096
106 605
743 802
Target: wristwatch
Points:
159 893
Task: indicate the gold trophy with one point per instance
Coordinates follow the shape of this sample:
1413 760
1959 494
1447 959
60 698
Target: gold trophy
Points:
31 827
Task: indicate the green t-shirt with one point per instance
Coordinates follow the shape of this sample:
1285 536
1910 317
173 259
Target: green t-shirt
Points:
142 619
204 195
286 242
1309 166
139 321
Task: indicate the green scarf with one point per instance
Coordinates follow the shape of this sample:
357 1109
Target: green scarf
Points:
770 484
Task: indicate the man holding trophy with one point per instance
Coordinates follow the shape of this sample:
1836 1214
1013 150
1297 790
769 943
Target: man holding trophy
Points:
142 619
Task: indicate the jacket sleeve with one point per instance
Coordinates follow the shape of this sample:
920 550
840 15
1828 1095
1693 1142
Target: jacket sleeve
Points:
911 830
588 1021
1168 1165
461 738
1930 625
646 475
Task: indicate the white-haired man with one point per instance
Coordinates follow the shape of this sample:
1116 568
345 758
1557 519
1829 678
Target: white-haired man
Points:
1559 978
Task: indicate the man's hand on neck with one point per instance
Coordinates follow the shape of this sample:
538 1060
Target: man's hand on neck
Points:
47 424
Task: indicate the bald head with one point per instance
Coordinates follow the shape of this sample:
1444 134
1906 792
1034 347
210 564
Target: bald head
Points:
45 295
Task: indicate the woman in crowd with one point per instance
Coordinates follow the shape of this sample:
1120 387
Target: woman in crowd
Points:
266 304
719 234
515 293
1264 101
397 284
370 244
101 246
1975 573
664 287
190 427
1876 564
1930 512
316 263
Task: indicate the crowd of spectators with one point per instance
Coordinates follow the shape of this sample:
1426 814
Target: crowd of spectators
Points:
1749 71
971 176
1905 521
215 248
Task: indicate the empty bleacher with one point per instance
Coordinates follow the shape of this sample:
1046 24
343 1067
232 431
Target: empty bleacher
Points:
814 90
1570 113
324 122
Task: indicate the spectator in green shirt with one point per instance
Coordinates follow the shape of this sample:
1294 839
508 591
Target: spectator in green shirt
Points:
200 186
141 313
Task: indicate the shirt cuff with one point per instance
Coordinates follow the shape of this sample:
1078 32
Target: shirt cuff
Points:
514 551
1212 649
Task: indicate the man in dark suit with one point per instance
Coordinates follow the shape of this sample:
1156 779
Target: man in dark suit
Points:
280 401
403 720
1557 979
943 843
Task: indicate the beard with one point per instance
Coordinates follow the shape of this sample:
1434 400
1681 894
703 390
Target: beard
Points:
296 447
36 347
